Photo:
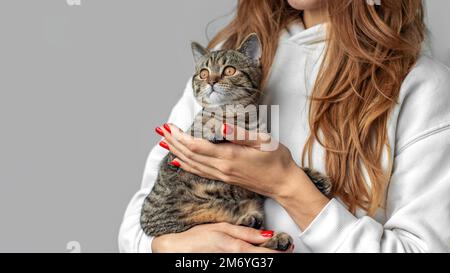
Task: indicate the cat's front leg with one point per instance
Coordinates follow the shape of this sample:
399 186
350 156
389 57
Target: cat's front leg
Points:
213 135
212 131
322 182
253 219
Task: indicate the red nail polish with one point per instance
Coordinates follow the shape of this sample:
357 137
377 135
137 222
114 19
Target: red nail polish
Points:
166 126
175 163
227 129
164 145
159 131
267 233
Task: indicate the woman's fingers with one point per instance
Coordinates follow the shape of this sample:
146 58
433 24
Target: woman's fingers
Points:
238 246
258 249
196 145
250 235
188 159
244 137
202 146
192 152
189 153
246 238
191 161
199 169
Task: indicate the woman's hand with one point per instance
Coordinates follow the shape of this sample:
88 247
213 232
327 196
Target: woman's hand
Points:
256 163
251 160
213 238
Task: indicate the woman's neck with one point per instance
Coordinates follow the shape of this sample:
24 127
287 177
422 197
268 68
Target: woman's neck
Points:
314 17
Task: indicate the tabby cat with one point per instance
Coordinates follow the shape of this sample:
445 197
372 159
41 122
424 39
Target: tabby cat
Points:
180 200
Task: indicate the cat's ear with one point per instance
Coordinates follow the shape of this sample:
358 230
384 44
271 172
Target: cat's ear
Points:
198 51
251 47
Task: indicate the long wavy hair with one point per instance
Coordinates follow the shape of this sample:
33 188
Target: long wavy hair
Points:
370 50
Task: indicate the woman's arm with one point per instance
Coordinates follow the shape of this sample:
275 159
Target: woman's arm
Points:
131 235
417 208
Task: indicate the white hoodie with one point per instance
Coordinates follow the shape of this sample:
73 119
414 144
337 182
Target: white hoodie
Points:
416 217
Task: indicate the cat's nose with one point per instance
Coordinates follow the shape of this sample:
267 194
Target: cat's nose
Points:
213 80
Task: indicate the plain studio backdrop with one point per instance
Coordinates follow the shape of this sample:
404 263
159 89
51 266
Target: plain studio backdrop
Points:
81 90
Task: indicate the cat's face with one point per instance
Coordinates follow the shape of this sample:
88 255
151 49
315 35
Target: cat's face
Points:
228 77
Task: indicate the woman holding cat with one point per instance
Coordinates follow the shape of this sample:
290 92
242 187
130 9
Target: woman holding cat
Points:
359 101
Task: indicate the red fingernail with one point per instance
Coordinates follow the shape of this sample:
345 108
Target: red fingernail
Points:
227 129
166 126
164 145
267 233
175 163
159 131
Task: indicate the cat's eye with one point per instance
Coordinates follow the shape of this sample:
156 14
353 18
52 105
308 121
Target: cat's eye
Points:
204 73
229 71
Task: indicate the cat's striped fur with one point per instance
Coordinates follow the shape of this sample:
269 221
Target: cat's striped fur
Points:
180 200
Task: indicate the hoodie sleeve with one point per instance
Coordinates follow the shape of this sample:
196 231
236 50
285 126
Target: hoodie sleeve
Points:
417 207
131 236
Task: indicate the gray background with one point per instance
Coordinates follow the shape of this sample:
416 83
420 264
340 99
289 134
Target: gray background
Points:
81 89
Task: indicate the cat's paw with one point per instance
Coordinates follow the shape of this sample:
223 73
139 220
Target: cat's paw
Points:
322 182
279 241
215 140
253 220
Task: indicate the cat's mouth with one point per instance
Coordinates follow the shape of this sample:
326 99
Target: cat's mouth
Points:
215 95
216 89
